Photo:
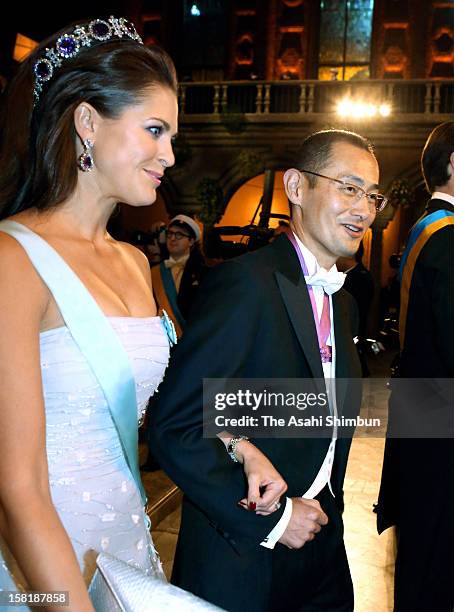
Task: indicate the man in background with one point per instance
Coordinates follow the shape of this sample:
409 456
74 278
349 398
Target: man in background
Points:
417 492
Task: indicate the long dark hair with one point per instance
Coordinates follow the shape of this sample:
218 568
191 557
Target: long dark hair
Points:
37 150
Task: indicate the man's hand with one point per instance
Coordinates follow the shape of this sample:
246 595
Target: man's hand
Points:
307 520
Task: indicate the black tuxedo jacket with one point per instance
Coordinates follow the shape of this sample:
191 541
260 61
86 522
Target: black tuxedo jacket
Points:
427 353
428 350
253 319
416 492
193 273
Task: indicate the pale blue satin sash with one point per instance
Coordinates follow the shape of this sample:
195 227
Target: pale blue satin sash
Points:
94 336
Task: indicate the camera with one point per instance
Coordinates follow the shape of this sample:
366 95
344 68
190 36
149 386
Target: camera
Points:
252 238
154 237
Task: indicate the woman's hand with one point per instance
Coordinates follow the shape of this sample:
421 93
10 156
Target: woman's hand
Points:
265 484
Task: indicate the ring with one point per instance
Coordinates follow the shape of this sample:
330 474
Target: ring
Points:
277 505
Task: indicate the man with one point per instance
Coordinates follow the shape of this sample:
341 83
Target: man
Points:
258 322
417 493
176 280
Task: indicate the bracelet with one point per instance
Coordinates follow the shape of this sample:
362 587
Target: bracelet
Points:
231 447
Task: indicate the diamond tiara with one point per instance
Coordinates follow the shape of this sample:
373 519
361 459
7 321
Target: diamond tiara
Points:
69 45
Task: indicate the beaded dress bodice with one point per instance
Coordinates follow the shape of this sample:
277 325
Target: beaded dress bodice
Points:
91 484
92 489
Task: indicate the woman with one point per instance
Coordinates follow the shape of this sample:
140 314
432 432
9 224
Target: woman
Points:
87 122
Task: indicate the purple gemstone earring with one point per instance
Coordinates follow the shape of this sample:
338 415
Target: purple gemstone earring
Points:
85 159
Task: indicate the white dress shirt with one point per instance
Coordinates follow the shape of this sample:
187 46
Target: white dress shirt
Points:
329 368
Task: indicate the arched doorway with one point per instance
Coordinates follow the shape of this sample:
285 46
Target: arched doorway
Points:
243 210
243 204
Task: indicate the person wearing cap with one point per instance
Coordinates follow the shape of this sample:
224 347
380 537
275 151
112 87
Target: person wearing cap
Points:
176 280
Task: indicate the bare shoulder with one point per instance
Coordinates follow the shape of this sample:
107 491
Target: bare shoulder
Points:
23 302
22 292
11 252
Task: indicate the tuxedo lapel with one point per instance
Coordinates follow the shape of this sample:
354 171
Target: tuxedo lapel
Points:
298 305
293 289
295 295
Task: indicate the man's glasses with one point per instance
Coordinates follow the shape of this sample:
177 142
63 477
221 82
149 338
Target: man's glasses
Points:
176 235
355 193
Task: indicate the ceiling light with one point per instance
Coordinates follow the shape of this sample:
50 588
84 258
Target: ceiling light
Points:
358 109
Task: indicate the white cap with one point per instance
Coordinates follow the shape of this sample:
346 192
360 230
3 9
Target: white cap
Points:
188 221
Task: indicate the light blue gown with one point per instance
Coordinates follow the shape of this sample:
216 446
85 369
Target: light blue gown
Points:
93 490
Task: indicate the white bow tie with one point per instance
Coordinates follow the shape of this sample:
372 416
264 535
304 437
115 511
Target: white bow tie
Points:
331 281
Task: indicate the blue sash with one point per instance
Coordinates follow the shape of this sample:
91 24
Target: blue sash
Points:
94 336
171 291
419 236
416 232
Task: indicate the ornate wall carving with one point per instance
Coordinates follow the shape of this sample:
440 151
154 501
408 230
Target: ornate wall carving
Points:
441 41
392 45
289 40
243 40
152 22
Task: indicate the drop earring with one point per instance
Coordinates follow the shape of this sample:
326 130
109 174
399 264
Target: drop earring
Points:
85 159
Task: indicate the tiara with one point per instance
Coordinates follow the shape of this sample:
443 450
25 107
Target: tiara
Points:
69 45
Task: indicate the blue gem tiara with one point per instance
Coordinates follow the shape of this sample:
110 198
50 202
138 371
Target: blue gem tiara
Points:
69 45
